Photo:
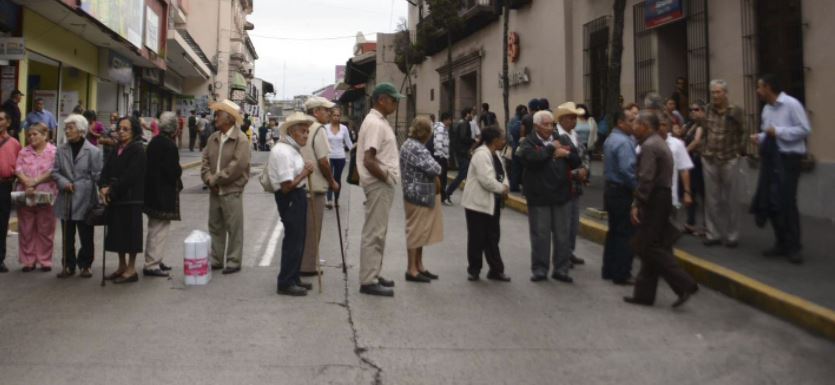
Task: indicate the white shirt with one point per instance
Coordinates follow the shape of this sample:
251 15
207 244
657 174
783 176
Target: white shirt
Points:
681 162
339 141
571 135
284 165
475 131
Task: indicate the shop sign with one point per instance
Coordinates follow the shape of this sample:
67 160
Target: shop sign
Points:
516 78
661 12
152 75
119 69
125 17
238 95
151 30
12 48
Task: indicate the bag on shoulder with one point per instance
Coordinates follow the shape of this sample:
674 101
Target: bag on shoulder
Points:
353 173
264 179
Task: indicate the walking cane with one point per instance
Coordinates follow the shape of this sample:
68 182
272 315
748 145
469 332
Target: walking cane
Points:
68 212
103 255
339 228
313 211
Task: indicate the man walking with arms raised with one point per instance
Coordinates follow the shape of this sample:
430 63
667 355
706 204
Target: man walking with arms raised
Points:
379 172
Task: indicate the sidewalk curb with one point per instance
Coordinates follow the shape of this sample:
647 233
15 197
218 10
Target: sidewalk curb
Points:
791 308
186 166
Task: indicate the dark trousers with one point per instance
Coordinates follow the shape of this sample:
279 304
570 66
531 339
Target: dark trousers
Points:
292 207
516 170
483 238
653 243
697 188
84 258
337 165
463 165
617 253
5 211
786 221
444 162
192 135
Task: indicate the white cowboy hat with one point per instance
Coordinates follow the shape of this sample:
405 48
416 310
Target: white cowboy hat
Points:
568 108
230 108
317 101
294 119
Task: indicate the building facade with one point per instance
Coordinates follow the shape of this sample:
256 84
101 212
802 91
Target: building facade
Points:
561 51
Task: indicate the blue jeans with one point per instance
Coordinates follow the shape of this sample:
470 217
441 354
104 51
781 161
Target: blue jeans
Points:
463 164
292 207
337 165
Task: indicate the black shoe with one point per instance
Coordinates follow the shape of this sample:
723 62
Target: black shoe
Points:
308 273
712 242
132 278
305 285
684 297
231 270
577 261
3 268
217 267
773 252
154 273
731 244
538 278
417 278
624 282
46 269
429 275
27 269
164 267
636 301
795 258
472 277
498 277
294 290
562 278
385 282
376 289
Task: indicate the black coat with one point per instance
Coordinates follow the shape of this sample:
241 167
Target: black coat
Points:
547 181
162 179
125 175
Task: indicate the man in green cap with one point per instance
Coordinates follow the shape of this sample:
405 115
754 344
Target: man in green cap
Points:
379 171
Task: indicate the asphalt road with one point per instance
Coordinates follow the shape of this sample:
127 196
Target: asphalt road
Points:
452 331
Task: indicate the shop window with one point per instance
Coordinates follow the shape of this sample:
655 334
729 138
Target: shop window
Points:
596 62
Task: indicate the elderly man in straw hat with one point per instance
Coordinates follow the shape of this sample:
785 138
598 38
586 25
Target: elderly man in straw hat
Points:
548 161
567 114
288 174
379 171
225 170
317 150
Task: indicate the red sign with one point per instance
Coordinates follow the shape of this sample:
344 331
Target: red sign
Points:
661 12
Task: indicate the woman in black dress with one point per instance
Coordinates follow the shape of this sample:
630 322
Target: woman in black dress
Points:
122 189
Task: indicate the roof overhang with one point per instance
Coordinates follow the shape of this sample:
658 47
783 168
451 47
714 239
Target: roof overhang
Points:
183 59
359 69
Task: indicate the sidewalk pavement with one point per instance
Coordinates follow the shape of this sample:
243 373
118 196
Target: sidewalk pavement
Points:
804 294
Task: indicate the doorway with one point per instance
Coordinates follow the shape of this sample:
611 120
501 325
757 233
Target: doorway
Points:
672 57
468 97
780 43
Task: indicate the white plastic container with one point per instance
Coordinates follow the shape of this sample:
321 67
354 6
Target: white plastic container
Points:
196 268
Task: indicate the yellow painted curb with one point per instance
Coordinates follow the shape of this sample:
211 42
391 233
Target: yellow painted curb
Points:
13 224
789 307
189 165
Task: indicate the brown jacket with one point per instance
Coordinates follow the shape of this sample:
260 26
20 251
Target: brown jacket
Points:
234 166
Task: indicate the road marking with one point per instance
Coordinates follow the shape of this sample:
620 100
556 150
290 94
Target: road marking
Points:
272 244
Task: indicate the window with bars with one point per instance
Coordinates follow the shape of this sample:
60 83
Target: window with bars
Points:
596 62
645 55
698 65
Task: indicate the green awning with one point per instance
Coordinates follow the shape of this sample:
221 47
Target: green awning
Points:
238 82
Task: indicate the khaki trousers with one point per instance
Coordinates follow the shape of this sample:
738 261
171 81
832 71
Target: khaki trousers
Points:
315 214
226 226
155 242
721 210
378 199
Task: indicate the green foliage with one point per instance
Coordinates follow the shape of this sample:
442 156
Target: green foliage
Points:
406 53
444 14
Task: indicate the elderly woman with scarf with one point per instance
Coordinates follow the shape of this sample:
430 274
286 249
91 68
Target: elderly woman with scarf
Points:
162 193
288 174
123 190
78 164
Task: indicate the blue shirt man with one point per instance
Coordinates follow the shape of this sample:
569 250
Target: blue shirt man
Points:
41 115
620 159
790 123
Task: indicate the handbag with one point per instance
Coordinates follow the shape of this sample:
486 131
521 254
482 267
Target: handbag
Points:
97 216
353 173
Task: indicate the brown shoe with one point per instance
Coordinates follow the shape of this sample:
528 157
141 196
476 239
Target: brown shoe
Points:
66 273
85 273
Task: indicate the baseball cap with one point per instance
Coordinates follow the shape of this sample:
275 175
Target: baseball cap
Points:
386 89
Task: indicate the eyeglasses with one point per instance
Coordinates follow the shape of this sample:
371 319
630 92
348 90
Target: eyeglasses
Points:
695 109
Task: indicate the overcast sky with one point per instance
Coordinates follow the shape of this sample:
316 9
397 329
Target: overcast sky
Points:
308 37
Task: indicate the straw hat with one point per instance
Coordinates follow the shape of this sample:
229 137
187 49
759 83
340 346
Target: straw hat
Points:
294 119
568 108
317 101
230 108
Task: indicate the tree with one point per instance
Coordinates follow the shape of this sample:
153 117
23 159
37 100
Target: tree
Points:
505 77
615 59
445 17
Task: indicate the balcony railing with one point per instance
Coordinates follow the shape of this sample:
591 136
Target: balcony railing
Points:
474 14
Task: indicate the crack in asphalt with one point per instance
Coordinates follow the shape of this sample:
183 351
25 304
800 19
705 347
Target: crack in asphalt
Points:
359 351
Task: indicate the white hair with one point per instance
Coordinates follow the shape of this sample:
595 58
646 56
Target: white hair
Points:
168 122
719 83
653 101
79 121
539 116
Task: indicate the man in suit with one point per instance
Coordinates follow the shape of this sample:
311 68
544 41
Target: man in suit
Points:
461 142
192 129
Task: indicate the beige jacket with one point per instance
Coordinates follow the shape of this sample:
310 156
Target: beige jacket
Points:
481 187
234 163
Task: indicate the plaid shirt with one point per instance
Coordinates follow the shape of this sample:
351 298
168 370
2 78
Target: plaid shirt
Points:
725 136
